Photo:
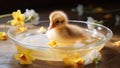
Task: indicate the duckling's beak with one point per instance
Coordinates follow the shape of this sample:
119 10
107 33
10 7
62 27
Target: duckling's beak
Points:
51 26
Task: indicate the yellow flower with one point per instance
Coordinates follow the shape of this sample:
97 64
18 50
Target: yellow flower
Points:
24 55
53 43
21 29
79 60
3 36
72 59
41 30
18 18
117 43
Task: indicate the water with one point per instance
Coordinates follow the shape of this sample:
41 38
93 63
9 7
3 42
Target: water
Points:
39 43
41 40
34 39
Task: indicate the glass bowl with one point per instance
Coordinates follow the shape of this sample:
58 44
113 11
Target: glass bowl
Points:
53 57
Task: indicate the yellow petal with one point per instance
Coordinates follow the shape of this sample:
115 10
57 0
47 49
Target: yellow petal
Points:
22 17
79 61
68 60
20 49
14 22
53 43
72 59
41 30
21 29
3 36
17 56
23 58
23 50
117 43
18 18
14 15
24 55
25 62
18 11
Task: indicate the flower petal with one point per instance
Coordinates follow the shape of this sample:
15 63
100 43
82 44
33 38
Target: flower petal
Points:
18 18
3 36
24 55
21 29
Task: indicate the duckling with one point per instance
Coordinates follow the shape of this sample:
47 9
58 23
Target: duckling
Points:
63 32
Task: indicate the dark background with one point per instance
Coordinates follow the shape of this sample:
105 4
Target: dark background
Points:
7 6
44 7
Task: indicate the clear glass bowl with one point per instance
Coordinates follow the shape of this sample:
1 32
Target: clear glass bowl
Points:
53 56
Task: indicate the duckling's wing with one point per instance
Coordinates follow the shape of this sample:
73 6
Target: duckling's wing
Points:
75 31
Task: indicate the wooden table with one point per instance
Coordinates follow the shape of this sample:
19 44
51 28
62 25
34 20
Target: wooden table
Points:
110 53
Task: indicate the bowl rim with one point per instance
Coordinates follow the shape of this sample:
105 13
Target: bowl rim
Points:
108 37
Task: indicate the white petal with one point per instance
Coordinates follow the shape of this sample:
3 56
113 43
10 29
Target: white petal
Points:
91 56
80 9
32 13
89 21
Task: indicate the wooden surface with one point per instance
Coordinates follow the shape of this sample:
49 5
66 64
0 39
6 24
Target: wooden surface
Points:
110 53
110 56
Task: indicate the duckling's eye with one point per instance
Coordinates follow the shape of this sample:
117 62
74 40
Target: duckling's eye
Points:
62 21
57 22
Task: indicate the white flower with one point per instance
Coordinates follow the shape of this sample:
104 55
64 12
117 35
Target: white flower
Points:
91 26
89 21
80 9
117 18
32 17
91 56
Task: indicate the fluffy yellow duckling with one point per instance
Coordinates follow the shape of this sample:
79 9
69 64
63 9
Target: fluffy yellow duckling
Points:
61 31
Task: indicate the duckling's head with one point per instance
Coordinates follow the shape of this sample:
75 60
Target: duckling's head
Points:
58 19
